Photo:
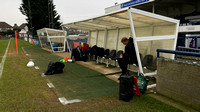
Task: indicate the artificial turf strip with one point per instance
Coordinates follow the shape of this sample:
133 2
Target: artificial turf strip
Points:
76 82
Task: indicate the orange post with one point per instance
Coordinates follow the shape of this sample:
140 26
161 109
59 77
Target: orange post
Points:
16 41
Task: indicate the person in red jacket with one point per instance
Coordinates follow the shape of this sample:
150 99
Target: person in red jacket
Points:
85 52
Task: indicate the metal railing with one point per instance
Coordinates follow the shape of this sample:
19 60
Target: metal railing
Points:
180 48
193 57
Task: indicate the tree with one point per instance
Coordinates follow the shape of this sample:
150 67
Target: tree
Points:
40 13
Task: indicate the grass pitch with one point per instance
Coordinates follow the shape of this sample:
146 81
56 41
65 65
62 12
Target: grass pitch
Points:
22 89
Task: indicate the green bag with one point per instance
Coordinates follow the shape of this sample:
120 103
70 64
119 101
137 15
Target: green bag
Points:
142 83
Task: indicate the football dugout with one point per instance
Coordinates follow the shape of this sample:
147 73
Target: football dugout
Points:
149 32
52 39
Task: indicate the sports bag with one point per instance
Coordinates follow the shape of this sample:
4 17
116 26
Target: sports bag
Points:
54 68
142 83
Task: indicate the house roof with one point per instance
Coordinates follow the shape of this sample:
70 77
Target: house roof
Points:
22 25
5 25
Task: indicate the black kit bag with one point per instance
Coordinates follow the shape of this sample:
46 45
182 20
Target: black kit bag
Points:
76 53
54 68
126 87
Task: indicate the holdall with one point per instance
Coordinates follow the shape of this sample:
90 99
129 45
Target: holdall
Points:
54 67
126 87
142 83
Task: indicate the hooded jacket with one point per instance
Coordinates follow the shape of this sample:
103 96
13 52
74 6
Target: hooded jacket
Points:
130 54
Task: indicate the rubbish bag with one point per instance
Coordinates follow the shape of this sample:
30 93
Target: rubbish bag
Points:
142 83
54 67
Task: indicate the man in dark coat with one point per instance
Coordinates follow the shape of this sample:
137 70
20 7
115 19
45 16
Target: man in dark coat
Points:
129 57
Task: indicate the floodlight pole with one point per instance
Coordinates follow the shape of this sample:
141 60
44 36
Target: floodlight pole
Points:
49 14
30 20
51 1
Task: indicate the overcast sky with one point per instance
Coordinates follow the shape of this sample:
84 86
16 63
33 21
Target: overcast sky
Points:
70 10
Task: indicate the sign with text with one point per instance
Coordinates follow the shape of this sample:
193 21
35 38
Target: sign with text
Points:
133 2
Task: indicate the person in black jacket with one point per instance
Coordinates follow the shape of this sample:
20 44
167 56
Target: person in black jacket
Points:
129 57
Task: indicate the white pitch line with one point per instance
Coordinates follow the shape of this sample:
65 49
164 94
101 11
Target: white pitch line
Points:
37 68
50 85
43 75
3 59
64 101
23 50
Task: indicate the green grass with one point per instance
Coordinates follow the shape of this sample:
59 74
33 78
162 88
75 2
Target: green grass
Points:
22 89
137 104
3 45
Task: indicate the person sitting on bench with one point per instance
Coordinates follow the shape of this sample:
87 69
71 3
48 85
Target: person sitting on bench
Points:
129 57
